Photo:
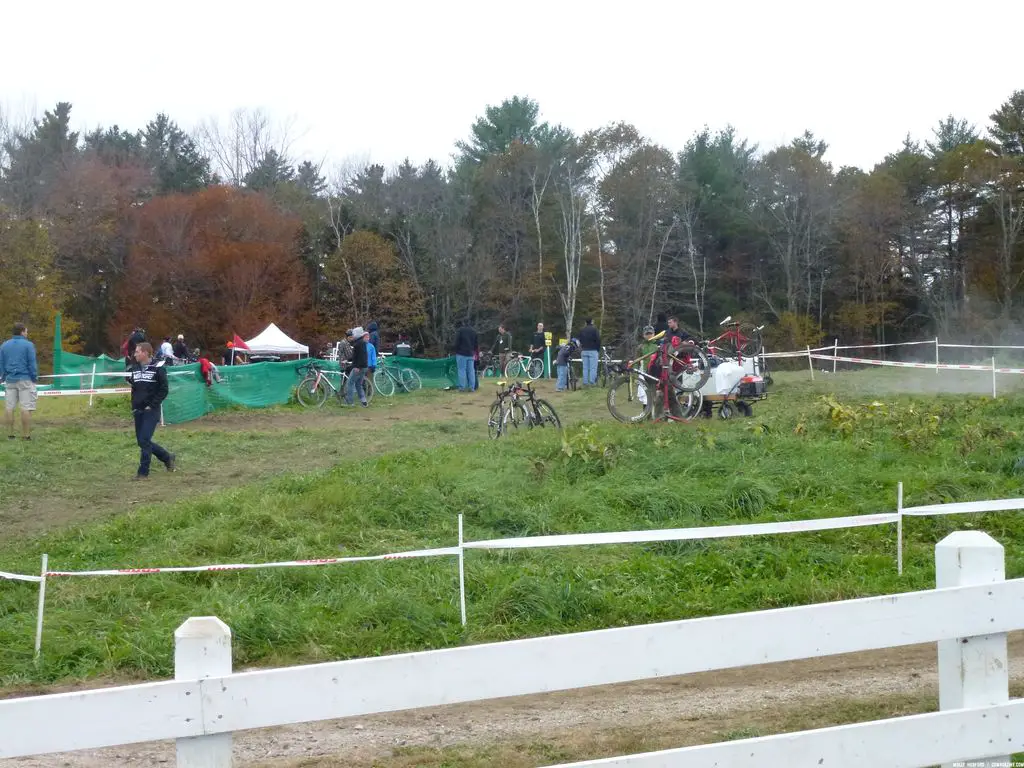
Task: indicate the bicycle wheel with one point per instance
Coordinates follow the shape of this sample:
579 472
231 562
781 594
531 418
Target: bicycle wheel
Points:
311 392
546 416
749 343
695 374
513 368
496 420
629 399
691 404
383 383
535 368
411 380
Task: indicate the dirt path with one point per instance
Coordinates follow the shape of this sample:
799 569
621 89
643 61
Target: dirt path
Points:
683 710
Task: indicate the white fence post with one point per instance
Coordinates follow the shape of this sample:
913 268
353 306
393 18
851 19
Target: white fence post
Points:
973 671
899 529
462 575
42 604
993 377
936 355
835 353
810 362
92 383
202 648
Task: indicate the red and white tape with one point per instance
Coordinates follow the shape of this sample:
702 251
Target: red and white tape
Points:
930 366
685 534
252 566
69 392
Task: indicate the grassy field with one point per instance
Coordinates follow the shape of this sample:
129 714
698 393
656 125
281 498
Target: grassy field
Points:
286 484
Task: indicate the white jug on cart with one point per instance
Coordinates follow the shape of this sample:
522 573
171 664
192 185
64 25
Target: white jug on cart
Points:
725 378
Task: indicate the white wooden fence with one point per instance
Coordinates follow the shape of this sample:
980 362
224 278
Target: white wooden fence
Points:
967 615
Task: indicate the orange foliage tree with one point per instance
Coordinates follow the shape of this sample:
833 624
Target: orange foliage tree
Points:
211 263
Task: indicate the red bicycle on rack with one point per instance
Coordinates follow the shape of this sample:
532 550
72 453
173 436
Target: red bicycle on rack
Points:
740 340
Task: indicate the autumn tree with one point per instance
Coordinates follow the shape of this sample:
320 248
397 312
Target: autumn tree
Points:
369 283
218 261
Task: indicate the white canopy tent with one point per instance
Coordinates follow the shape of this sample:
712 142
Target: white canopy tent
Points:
274 341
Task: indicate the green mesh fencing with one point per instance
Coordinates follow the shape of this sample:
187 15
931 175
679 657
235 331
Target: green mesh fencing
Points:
242 386
69 362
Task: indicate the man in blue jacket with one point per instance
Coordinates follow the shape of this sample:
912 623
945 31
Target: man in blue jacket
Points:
19 374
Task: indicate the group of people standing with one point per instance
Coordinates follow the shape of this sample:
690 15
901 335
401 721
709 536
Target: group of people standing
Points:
358 356
467 353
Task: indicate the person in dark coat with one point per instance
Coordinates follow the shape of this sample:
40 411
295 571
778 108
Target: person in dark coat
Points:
590 347
149 389
466 348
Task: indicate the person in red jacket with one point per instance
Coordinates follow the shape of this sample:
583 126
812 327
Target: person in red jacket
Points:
208 369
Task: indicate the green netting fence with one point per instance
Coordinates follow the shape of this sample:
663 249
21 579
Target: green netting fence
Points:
248 386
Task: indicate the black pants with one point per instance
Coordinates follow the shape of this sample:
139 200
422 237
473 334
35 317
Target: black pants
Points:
145 425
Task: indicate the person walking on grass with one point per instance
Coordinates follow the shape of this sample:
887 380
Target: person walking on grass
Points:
19 374
357 371
149 390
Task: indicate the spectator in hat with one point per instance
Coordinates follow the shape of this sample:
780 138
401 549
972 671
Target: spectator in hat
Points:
180 349
357 373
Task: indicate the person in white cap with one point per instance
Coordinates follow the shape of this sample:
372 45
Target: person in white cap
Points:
180 349
357 373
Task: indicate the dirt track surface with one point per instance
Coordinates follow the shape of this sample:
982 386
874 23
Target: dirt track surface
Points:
692 706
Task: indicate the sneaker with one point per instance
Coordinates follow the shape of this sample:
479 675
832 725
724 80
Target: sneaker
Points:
12 437
171 463
365 405
140 477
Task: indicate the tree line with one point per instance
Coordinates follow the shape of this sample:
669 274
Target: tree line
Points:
220 229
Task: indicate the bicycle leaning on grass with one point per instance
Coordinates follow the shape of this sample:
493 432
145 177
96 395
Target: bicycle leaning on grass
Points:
518 405
316 386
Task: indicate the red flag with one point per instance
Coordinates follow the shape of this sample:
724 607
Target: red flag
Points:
238 343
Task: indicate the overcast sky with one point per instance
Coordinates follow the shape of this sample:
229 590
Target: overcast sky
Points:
386 80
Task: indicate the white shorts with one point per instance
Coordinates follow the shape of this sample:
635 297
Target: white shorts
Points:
21 393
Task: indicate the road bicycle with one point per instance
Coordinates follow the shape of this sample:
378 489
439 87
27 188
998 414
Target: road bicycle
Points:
388 378
740 340
518 405
520 365
316 386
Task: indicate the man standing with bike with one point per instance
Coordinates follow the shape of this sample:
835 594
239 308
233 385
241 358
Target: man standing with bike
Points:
590 347
357 372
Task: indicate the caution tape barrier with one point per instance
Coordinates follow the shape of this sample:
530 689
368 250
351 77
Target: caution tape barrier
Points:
929 366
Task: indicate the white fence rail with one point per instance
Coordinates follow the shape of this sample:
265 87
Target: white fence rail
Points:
969 616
